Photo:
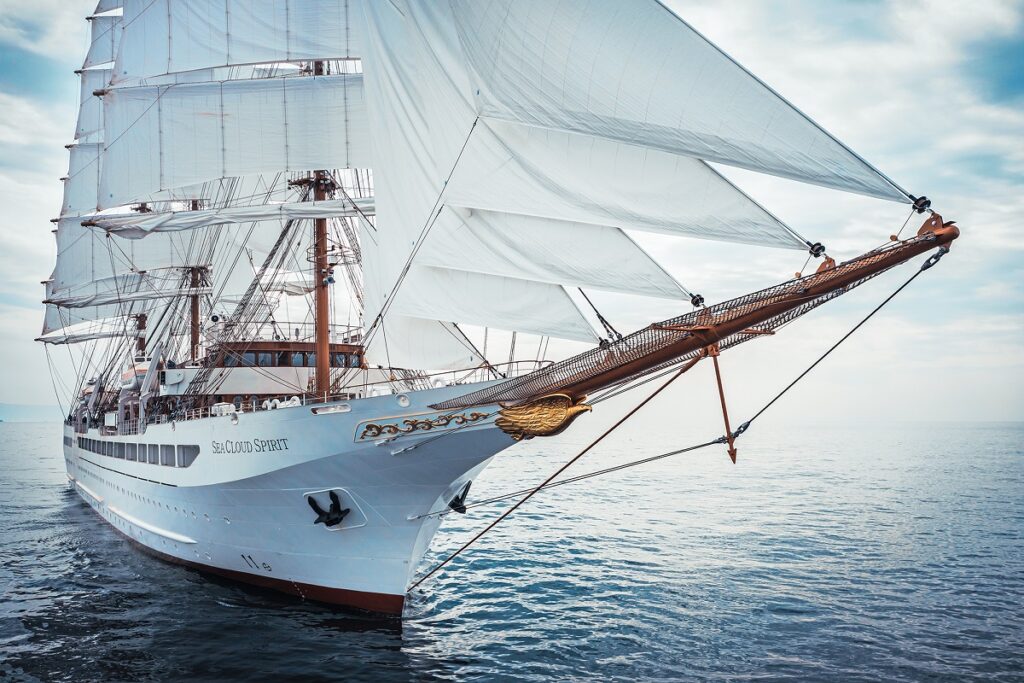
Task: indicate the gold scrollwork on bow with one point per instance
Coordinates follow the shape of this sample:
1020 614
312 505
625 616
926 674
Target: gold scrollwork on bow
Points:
374 430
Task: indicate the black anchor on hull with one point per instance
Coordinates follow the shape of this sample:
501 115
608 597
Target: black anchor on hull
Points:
331 517
458 503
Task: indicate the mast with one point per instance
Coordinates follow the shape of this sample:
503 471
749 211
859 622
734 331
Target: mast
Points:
140 342
194 317
195 273
321 279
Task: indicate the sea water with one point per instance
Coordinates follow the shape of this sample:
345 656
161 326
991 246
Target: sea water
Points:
848 553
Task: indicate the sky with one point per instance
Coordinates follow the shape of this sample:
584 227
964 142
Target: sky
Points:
929 91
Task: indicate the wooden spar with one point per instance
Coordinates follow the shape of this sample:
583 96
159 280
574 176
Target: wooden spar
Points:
819 284
195 283
714 353
321 271
140 341
194 314
322 308
663 344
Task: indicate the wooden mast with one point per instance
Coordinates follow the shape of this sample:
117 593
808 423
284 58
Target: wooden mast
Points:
195 283
321 273
194 302
140 340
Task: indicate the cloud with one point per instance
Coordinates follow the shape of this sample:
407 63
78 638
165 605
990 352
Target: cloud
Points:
906 83
53 29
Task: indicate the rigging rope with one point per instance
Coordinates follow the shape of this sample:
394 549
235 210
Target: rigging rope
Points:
561 469
550 483
612 332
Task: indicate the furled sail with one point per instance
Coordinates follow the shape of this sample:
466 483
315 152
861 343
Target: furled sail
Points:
168 36
161 138
88 331
139 225
633 71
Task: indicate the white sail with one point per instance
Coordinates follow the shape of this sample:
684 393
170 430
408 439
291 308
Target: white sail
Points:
540 172
139 225
56 318
168 36
106 33
426 156
89 331
107 5
491 301
545 250
90 111
107 294
633 71
418 343
82 181
414 151
92 264
161 138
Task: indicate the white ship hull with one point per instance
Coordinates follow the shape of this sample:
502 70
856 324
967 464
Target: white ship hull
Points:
240 508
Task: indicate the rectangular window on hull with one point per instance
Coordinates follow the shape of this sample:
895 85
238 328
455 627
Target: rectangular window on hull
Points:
129 451
154 454
167 456
187 455
119 450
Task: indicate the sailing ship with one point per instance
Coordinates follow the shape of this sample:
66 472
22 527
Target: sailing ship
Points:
287 226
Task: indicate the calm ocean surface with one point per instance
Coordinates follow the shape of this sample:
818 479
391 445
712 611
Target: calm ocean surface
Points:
859 553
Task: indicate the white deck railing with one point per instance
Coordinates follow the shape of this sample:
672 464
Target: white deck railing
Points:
400 381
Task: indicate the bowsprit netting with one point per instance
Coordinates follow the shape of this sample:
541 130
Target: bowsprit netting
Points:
679 339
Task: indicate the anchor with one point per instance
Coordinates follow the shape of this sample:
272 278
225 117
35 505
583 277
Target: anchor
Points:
458 503
331 517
